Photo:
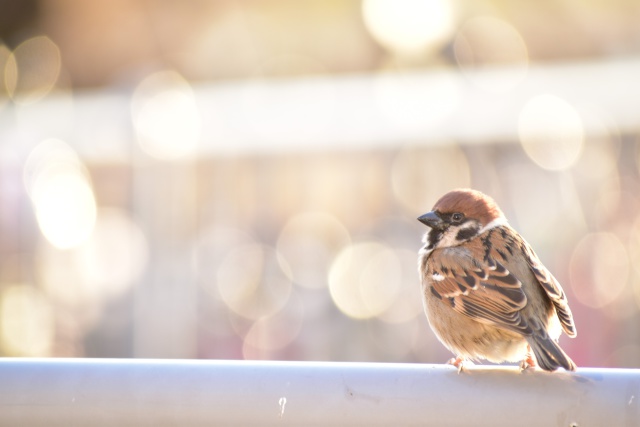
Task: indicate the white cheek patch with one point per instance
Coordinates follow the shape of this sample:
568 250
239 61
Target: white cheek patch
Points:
472 225
448 239
495 223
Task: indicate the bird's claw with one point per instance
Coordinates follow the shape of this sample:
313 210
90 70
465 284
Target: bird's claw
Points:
529 363
459 363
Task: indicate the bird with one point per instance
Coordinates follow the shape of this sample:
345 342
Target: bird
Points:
486 294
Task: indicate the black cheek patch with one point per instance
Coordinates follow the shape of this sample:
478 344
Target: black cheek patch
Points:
434 237
466 233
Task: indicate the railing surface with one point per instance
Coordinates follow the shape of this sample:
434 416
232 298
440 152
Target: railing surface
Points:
118 392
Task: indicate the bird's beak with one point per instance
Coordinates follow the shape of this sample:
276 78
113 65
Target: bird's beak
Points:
431 219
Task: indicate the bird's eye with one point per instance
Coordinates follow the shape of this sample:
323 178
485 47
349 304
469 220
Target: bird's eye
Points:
457 217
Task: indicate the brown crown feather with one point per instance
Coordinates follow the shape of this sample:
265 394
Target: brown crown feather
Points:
472 203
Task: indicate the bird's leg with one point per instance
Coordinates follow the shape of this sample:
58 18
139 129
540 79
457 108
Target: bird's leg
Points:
459 363
529 363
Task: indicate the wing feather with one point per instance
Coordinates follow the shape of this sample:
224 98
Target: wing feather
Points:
552 288
486 292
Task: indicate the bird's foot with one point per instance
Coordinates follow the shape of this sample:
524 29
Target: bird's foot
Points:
459 363
529 363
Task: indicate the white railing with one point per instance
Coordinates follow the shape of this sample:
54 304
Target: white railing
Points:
102 392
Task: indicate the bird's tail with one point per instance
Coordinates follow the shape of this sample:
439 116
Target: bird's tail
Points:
549 355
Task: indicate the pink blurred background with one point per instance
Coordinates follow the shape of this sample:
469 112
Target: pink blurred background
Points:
240 179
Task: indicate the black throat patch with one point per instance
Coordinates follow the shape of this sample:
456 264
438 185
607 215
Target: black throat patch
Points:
433 238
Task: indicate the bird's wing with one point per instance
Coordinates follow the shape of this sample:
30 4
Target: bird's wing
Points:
485 291
552 288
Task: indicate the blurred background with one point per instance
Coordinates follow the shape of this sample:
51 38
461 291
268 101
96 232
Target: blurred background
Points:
240 179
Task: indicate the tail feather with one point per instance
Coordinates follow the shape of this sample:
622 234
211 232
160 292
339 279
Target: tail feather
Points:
549 355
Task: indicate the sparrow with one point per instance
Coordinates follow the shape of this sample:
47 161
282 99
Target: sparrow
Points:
485 292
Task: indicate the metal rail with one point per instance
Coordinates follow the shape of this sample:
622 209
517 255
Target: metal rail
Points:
103 392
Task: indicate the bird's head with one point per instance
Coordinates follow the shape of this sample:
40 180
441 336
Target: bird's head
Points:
458 216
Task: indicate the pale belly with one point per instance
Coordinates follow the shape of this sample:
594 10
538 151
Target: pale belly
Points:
471 339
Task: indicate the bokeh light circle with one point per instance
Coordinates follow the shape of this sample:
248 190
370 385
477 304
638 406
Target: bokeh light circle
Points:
66 210
599 269
32 70
211 248
271 333
486 41
634 257
363 279
551 132
5 54
309 241
61 193
26 322
115 255
166 117
409 26
408 303
634 246
254 281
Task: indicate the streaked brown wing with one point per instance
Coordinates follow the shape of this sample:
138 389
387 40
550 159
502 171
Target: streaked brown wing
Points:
486 292
552 288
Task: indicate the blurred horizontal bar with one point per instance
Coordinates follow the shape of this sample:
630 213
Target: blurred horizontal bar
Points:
345 111
65 392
